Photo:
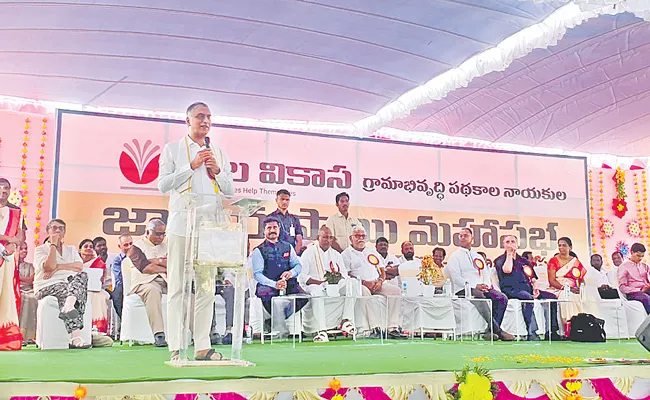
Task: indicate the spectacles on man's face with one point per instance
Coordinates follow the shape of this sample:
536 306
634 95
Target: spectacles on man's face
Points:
359 236
160 234
57 228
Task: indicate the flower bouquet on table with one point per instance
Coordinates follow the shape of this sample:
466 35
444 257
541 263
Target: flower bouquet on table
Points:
429 271
332 277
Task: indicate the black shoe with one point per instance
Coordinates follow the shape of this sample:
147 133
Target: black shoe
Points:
395 334
227 339
555 337
375 334
159 340
533 338
215 338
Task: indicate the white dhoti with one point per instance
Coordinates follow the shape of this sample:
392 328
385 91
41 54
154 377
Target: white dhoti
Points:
340 308
375 311
204 287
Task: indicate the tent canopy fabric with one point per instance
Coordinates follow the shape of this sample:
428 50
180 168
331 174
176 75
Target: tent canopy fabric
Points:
364 64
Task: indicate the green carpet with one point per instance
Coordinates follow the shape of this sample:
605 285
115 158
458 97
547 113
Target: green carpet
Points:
145 363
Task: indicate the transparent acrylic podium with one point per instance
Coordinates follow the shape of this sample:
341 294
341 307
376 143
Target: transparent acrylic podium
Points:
216 239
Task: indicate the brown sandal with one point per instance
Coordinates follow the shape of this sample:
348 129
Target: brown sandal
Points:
208 356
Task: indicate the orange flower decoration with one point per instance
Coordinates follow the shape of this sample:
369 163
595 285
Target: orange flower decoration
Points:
80 392
574 396
335 384
570 373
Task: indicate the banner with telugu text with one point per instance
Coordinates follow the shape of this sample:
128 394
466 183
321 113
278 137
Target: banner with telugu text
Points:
401 191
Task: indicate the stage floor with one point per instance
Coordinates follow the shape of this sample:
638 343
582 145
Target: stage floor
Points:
122 364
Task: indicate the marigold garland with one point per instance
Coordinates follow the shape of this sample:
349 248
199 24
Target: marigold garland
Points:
601 214
619 205
80 392
639 210
39 199
335 385
592 216
572 385
646 220
23 169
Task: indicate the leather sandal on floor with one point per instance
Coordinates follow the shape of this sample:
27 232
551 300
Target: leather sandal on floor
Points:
321 337
349 328
175 356
209 356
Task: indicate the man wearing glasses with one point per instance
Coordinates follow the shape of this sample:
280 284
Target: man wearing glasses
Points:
364 263
147 261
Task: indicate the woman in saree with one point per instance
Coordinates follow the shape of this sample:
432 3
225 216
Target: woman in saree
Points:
99 299
566 272
28 302
11 235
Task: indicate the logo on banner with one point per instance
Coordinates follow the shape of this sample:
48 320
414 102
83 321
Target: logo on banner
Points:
139 164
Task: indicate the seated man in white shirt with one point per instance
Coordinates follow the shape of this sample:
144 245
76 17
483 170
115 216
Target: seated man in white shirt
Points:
467 266
598 277
364 264
388 260
408 252
59 273
147 259
320 262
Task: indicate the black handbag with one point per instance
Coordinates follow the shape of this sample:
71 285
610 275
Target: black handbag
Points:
587 328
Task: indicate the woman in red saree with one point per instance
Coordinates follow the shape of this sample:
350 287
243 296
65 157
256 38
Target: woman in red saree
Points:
566 272
99 299
11 235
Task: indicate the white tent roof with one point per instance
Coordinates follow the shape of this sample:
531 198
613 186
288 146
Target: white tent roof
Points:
371 63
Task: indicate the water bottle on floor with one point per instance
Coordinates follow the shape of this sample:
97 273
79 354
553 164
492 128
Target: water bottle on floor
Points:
404 289
249 334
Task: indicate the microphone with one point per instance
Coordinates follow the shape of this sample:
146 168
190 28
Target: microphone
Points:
207 142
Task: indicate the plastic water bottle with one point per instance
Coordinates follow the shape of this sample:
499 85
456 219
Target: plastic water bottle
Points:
567 292
583 292
403 288
468 291
249 334
282 291
446 288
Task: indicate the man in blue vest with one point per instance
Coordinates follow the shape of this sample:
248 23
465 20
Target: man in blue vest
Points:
275 268
517 281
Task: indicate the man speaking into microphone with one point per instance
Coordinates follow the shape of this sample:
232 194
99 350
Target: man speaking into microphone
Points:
192 165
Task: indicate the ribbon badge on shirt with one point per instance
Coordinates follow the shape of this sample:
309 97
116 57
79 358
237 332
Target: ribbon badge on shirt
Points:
575 272
479 264
372 259
528 271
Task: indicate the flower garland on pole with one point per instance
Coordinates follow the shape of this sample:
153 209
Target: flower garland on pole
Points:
619 205
646 220
635 228
601 215
23 169
39 199
592 217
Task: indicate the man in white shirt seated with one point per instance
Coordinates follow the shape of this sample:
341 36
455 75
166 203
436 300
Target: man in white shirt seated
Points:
321 262
364 264
467 266
408 253
147 261
388 260
59 273
600 278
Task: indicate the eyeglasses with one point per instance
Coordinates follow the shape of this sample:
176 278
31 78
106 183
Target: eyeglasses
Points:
55 228
159 234
359 236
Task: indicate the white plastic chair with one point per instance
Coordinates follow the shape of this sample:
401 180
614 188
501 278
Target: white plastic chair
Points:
135 322
50 330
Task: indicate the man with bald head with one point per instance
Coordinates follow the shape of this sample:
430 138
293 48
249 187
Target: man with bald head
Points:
467 266
364 263
319 260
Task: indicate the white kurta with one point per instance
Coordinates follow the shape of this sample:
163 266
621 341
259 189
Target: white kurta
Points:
315 262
